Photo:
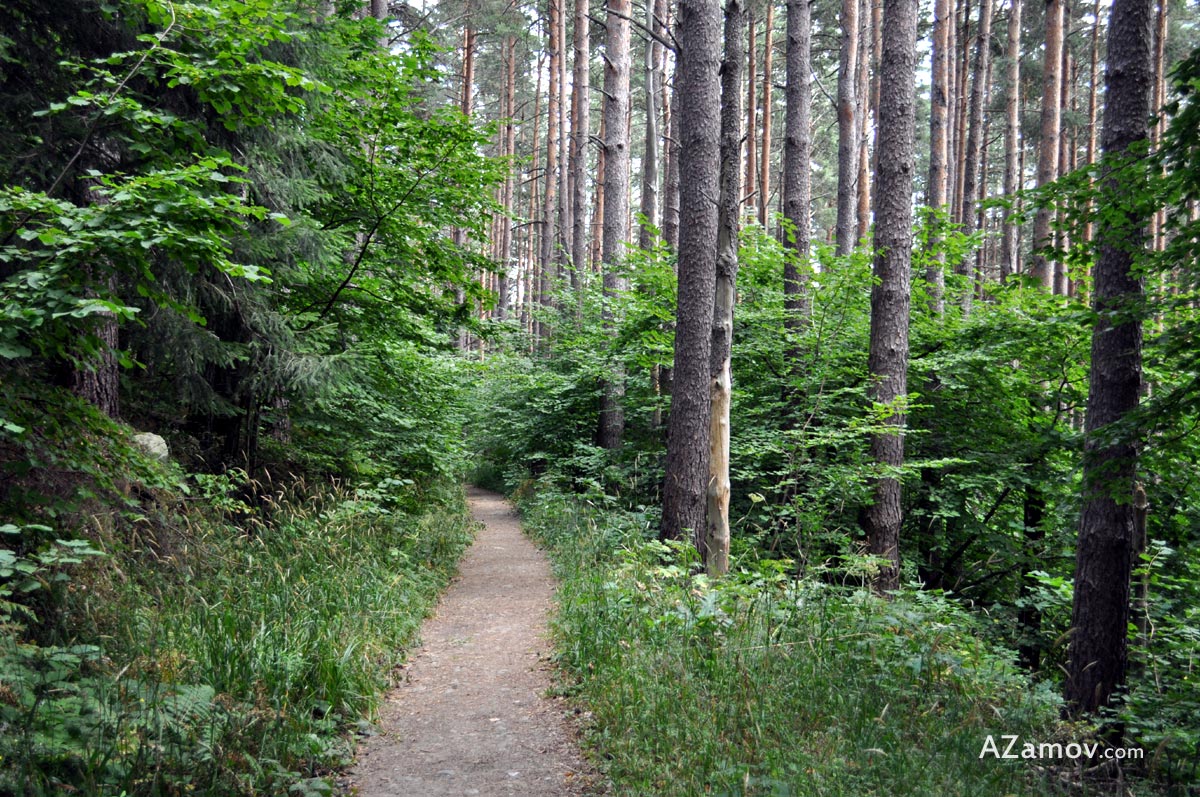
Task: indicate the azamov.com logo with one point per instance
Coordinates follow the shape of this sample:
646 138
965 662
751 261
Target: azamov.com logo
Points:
1011 746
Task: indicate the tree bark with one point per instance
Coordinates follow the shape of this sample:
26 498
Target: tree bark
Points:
1012 141
550 178
848 132
935 190
764 152
651 89
616 201
715 550
1100 616
1041 268
866 111
751 114
686 478
797 166
580 130
974 148
888 358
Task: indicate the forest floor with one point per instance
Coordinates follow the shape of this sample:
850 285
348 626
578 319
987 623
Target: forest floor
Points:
472 716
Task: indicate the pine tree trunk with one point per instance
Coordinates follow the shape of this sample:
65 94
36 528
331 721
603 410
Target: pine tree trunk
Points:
764 152
974 147
580 130
797 165
550 206
1041 268
686 477
1062 240
616 200
1100 618
888 358
715 550
935 196
848 132
508 148
866 113
651 89
751 115
1012 141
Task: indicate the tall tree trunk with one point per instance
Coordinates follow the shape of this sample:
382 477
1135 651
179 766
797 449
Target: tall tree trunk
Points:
651 90
797 166
1159 221
866 112
764 152
1041 268
671 180
581 112
888 358
598 208
1103 559
752 115
935 191
848 132
698 64
508 147
975 138
1062 286
1012 141
1089 230
716 543
616 201
550 206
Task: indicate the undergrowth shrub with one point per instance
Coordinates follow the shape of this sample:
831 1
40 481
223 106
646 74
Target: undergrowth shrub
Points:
234 660
762 684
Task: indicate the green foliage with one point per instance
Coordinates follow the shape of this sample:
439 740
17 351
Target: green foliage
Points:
760 684
235 665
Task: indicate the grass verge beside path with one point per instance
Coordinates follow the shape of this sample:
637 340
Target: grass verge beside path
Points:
238 658
764 685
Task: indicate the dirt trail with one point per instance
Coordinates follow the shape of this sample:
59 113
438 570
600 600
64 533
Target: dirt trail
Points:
471 717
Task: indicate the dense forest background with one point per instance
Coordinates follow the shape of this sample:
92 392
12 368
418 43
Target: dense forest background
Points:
803 313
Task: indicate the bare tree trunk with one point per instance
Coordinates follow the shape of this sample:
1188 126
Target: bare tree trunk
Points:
671 182
598 209
508 147
751 115
1047 171
715 550
764 152
1094 92
550 214
935 191
1062 239
580 130
616 201
866 112
848 132
797 165
974 147
975 144
1100 617
888 359
1012 141
651 89
962 108
686 477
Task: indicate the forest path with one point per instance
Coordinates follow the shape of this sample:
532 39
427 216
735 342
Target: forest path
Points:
471 717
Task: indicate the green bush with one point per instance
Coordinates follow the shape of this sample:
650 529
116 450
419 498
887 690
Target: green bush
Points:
761 684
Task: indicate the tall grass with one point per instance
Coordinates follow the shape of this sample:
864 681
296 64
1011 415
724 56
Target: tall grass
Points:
237 662
764 685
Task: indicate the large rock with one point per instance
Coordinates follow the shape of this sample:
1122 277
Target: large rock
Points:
153 444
